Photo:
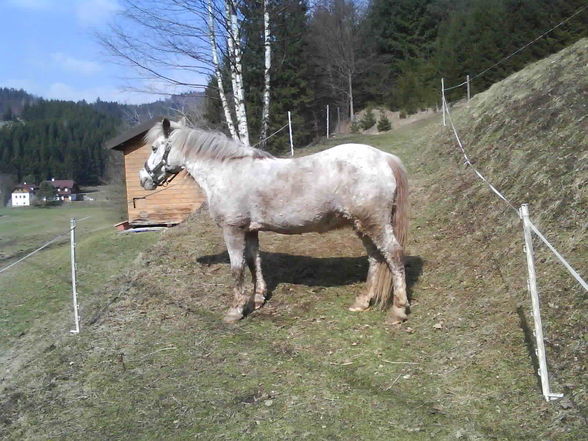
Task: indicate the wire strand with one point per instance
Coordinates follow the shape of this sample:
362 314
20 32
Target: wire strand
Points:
275 133
468 162
520 49
45 245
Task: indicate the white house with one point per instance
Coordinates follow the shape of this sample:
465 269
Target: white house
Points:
23 195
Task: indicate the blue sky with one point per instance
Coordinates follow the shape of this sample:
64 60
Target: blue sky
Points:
48 48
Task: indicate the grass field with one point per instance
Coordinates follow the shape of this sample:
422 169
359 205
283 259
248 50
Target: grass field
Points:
156 362
36 293
25 228
160 363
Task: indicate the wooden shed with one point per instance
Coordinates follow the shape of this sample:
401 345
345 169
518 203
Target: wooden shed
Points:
163 206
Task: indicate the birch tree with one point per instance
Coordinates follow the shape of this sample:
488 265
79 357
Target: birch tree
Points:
218 74
176 45
265 114
235 55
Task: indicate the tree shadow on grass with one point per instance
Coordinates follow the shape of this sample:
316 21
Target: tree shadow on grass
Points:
317 271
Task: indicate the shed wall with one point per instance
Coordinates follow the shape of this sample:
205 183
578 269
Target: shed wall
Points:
170 206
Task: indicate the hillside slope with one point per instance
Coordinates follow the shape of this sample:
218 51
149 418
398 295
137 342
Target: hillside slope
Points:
528 135
157 362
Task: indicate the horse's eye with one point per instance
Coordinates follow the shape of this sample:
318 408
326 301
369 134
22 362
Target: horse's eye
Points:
153 148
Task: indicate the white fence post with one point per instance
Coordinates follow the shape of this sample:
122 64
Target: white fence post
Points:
327 121
443 100
290 130
73 275
532 285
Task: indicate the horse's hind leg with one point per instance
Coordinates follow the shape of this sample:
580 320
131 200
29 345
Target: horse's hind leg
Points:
235 241
253 258
363 300
393 253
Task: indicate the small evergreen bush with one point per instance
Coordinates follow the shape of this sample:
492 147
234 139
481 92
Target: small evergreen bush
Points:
367 120
384 123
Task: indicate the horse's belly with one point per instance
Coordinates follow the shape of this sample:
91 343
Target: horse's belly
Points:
290 225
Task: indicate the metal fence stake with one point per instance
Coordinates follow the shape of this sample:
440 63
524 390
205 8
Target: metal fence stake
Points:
73 275
532 285
290 130
327 121
443 100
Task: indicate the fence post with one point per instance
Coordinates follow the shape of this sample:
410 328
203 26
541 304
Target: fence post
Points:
73 275
468 84
532 285
327 121
290 130
443 100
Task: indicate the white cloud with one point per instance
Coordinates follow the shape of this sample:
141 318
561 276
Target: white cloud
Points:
75 65
95 12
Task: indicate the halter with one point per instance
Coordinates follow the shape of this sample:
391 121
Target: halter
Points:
155 171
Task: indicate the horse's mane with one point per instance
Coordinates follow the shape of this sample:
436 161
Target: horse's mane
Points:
201 144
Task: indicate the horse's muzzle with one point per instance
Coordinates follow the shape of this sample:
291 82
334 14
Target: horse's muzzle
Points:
146 181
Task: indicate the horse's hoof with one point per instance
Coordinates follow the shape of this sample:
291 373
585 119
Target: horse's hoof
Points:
359 306
397 316
232 316
258 300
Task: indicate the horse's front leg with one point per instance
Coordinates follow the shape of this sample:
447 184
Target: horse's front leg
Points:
254 262
235 241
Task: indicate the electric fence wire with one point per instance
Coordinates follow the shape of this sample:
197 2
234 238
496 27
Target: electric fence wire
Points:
273 134
519 49
565 263
45 245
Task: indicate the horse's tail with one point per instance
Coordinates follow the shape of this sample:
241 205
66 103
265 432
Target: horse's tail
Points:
400 210
383 281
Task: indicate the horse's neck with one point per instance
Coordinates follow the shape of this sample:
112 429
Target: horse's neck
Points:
208 173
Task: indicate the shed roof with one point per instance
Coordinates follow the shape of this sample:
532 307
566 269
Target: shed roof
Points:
119 142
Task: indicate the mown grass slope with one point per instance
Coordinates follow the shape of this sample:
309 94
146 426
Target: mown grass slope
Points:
159 363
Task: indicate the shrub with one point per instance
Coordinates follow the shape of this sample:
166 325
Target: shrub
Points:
367 120
384 123
354 127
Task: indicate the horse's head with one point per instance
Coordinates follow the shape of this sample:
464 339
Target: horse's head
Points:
163 164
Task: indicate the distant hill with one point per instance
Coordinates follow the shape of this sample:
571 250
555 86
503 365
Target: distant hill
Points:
64 139
131 114
13 101
60 139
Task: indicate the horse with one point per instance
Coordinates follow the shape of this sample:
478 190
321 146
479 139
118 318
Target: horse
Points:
249 190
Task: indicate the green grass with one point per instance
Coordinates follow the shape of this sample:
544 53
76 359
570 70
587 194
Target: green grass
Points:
23 229
36 293
160 363
155 360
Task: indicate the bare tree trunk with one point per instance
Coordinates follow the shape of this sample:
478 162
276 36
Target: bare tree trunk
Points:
265 114
350 82
217 72
234 45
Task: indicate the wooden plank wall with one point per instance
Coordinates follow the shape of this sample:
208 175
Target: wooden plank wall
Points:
170 206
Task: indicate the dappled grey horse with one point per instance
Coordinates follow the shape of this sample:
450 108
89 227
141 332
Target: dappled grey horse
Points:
249 190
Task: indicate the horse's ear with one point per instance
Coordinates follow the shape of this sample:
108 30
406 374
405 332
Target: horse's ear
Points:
166 127
184 121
